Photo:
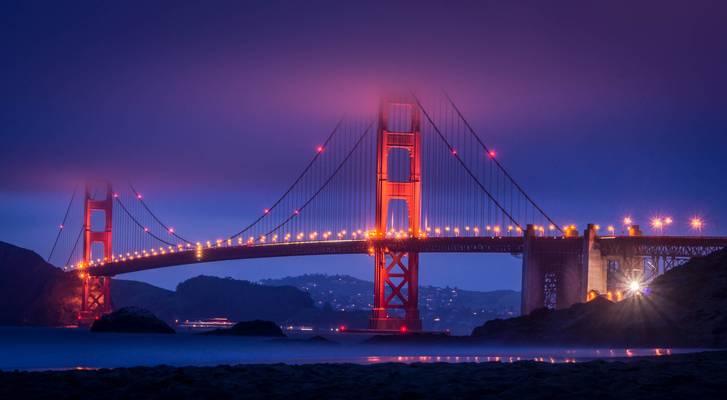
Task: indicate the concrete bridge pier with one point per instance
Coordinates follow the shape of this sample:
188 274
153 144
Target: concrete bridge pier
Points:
552 272
608 273
594 274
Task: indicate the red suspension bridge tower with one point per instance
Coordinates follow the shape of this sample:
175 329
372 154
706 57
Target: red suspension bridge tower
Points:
396 274
95 296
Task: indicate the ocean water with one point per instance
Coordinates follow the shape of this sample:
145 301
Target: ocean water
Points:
23 348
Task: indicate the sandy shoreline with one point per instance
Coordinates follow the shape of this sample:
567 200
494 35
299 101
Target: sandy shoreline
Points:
699 375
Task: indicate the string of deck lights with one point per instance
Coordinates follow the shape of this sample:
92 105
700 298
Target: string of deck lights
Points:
658 223
695 223
300 237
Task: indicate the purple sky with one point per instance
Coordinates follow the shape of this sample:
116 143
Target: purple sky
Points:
597 110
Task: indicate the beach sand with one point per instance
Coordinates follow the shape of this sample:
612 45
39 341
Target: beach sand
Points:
698 376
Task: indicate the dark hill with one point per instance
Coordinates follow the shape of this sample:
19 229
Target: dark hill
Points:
139 294
207 296
33 292
239 300
685 307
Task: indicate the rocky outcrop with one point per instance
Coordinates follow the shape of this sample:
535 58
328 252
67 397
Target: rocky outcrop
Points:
131 320
250 328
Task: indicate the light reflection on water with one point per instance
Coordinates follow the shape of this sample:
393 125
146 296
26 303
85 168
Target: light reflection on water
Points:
49 348
554 356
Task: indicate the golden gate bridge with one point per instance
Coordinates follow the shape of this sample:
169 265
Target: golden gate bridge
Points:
416 178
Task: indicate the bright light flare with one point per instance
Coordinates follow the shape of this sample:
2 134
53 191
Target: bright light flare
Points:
635 287
628 221
657 223
696 224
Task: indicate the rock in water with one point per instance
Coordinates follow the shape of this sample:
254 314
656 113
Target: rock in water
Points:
131 320
251 328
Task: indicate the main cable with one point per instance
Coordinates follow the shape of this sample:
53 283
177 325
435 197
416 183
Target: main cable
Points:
146 207
63 223
118 200
295 183
330 178
456 156
504 171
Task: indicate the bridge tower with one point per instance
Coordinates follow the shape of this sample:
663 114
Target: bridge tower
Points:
95 295
396 274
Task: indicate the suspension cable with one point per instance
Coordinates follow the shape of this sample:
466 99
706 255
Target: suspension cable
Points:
118 200
63 223
167 228
330 178
295 183
75 244
456 156
504 171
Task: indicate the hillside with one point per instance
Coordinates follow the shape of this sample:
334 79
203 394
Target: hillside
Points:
139 294
206 296
685 307
33 292
442 308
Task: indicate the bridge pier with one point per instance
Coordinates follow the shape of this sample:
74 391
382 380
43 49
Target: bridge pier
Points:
551 272
399 273
595 273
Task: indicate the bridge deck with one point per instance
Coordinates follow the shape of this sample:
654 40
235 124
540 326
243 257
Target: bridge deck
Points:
237 252
676 246
672 246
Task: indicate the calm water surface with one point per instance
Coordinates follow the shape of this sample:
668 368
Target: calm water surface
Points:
60 348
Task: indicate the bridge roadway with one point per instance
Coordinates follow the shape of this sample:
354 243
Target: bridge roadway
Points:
244 251
674 246
670 246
